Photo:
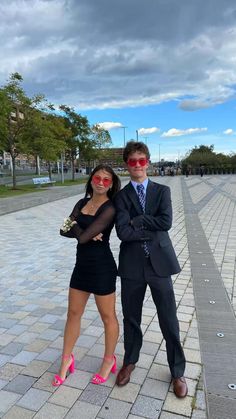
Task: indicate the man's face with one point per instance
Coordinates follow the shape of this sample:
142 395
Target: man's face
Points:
137 165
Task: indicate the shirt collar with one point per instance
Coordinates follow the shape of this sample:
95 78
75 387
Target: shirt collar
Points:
144 183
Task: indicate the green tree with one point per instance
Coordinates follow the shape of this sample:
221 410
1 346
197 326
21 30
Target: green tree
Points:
94 149
79 134
45 136
15 111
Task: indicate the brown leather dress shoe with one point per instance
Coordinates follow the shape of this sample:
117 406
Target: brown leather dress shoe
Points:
180 387
124 375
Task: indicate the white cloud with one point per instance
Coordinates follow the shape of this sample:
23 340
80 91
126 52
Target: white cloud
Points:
110 125
228 131
89 55
173 132
146 131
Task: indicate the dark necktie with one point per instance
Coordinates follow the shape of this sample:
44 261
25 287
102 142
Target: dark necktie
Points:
141 197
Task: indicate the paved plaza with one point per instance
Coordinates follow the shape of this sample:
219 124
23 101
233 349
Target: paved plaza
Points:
35 268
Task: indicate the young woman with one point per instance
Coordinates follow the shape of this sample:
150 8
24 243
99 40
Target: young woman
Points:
95 269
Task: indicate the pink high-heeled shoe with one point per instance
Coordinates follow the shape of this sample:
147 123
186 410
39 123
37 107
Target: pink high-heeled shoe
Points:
58 381
98 379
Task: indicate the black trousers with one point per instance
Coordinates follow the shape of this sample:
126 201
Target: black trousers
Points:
132 296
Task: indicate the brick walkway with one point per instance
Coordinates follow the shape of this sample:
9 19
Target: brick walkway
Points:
35 268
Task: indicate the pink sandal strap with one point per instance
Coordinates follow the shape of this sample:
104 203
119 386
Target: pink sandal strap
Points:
58 380
109 357
98 379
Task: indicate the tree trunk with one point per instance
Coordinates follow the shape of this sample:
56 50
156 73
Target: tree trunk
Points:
37 165
72 168
50 170
13 171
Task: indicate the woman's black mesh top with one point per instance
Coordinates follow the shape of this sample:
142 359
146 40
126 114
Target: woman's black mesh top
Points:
95 269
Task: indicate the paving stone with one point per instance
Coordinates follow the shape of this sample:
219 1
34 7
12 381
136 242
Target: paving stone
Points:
4 359
138 375
9 371
12 348
17 412
192 356
7 400
149 348
6 338
178 406
199 414
98 350
147 407
155 337
49 318
45 382
26 337
90 364
29 320
154 388
200 400
24 357
94 331
49 355
39 327
51 411
38 345
127 393
160 372
49 334
145 361
34 399
86 341
65 396
115 409
95 394
36 368
168 415
3 383
193 370
20 384
83 410
79 379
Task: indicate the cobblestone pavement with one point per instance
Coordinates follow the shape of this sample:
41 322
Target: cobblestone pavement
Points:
35 268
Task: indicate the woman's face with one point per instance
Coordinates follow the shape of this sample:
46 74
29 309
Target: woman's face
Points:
101 182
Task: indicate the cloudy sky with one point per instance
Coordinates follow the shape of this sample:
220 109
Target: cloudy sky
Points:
166 68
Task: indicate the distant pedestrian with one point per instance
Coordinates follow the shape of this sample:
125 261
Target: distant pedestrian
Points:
201 171
187 172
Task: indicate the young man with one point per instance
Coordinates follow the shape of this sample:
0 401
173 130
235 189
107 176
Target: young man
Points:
147 257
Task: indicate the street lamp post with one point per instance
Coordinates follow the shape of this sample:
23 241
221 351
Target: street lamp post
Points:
137 134
124 134
159 154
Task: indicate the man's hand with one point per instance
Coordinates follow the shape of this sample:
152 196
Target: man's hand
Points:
98 237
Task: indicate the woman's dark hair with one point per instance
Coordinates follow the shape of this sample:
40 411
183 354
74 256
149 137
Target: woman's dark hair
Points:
115 181
133 146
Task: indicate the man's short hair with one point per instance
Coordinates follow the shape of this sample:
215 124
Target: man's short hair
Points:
133 146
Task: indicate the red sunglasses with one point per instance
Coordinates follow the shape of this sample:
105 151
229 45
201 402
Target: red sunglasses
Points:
133 162
105 181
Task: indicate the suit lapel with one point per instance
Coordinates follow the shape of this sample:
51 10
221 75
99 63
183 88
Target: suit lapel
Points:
134 198
150 204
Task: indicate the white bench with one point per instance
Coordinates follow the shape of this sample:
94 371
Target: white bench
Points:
42 181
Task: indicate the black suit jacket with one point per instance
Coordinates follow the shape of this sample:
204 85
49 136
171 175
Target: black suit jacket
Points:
134 227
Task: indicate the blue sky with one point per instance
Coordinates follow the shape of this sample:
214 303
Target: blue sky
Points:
166 116
165 66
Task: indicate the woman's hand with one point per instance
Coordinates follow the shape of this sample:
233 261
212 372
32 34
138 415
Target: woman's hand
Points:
98 237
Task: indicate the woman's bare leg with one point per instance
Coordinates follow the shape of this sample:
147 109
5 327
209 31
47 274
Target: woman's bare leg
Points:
77 302
106 308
